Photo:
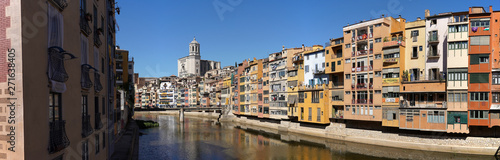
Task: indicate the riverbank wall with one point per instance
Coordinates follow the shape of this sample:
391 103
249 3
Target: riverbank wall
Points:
338 131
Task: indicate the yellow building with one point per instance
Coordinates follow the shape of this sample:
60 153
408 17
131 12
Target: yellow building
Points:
392 72
313 104
335 69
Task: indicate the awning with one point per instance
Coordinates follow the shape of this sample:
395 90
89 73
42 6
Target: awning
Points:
394 89
390 70
292 99
495 107
392 50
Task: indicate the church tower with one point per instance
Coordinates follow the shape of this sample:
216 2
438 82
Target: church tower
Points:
194 48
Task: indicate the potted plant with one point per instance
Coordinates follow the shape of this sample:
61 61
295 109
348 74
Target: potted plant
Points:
88 16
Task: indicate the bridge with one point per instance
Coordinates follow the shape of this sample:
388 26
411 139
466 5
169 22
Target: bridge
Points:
221 110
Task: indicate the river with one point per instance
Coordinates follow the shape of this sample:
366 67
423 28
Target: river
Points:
198 138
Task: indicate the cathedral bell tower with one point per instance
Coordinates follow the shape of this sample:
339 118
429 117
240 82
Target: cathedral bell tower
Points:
194 48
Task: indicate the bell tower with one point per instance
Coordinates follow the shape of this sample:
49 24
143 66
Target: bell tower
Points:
194 48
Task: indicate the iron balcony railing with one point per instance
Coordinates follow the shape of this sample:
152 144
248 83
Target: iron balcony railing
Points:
97 79
84 24
433 37
98 122
61 4
57 136
97 40
86 126
57 71
85 79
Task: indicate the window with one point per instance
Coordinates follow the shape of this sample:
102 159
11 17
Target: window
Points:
415 52
323 65
479 40
458 28
457 45
55 25
435 116
338 63
433 22
103 140
495 78
347 76
378 56
310 114
347 45
97 149
315 97
479 77
479 58
479 114
55 108
301 97
484 59
327 52
495 97
378 25
457 74
85 150
434 74
306 68
378 40
318 114
378 74
103 106
479 96
378 91
480 22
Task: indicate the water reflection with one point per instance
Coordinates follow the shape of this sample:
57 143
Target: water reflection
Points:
197 138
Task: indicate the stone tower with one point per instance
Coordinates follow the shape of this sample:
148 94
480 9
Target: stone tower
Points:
194 48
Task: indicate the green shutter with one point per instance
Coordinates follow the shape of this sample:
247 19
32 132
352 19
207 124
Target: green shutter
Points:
479 78
451 117
474 59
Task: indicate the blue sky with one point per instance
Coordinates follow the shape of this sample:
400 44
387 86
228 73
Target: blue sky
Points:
158 32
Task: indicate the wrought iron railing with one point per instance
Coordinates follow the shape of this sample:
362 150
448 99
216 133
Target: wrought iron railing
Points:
85 80
97 40
57 71
97 80
61 4
57 136
98 122
84 24
86 126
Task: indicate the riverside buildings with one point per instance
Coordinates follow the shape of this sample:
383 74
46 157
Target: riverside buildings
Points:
438 73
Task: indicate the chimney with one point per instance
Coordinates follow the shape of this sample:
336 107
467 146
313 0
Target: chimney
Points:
418 19
399 17
303 47
491 9
283 48
427 13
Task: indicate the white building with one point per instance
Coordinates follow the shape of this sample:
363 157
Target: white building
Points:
192 65
436 28
314 68
167 94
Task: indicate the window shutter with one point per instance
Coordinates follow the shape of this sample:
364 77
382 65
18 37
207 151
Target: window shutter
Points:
474 58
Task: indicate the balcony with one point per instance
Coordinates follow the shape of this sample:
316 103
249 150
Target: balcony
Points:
433 38
319 71
97 40
426 104
57 136
98 122
362 68
97 79
293 68
84 24
312 87
391 60
298 58
362 52
363 37
61 4
56 71
361 86
394 43
433 53
85 81
86 127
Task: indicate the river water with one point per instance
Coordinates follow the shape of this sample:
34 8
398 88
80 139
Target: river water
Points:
198 138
